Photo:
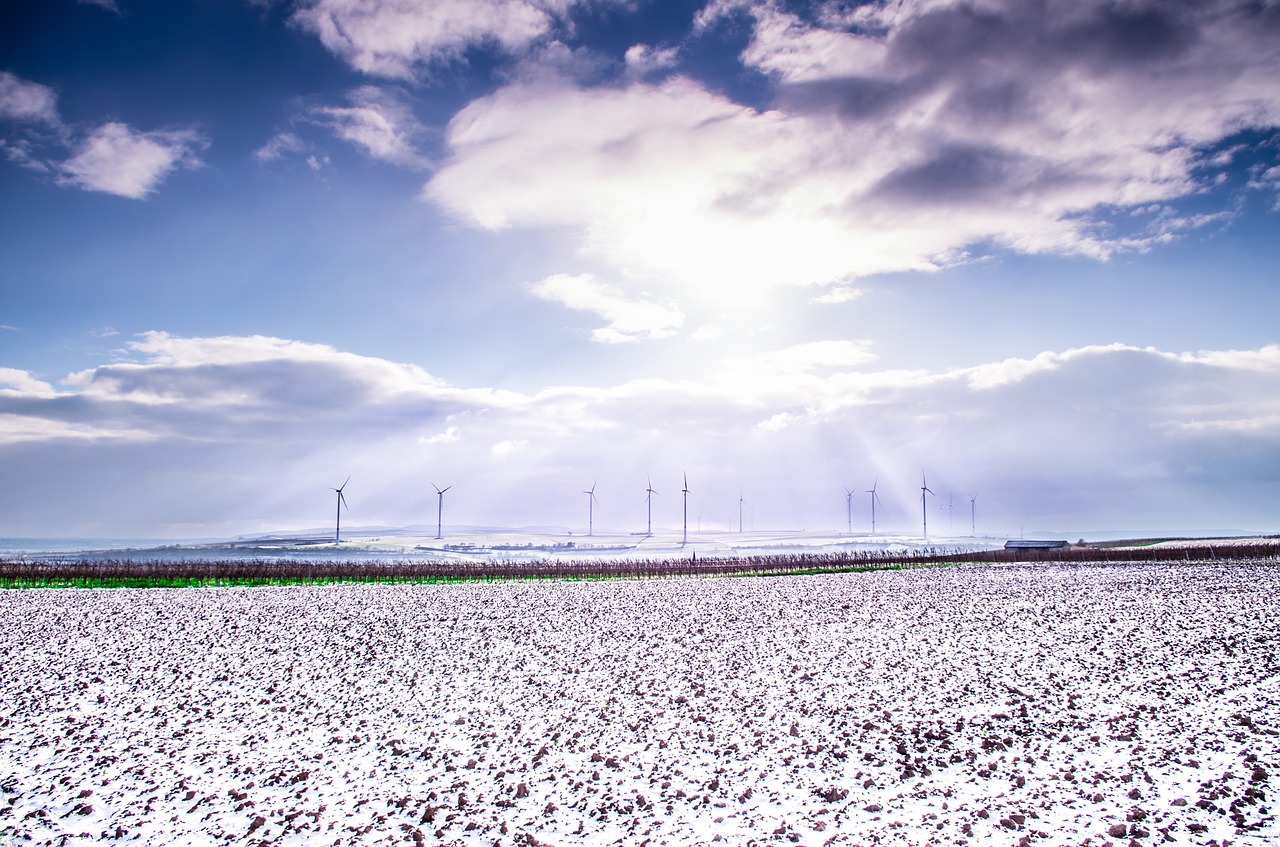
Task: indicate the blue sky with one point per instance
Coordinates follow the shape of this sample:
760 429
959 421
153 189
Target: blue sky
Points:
517 246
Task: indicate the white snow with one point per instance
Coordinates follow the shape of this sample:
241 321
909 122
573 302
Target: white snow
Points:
966 705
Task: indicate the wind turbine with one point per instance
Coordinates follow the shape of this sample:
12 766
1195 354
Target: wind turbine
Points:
342 503
973 515
648 499
740 501
591 501
848 508
924 506
440 506
874 498
685 491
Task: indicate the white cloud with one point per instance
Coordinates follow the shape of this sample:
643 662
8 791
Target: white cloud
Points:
280 146
643 59
25 428
21 383
1268 180
381 126
555 60
113 158
936 127
706 332
814 355
449 436
21 100
629 319
119 160
839 294
777 422
397 38
1012 370
1264 360
262 379
506 448
659 180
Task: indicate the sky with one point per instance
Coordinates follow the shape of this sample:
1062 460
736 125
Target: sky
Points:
1026 250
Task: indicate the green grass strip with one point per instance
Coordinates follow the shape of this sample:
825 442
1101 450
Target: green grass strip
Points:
53 581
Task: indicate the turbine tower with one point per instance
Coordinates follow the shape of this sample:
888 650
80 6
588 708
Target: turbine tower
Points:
342 504
648 499
848 509
440 506
740 501
591 501
973 515
685 491
874 498
924 506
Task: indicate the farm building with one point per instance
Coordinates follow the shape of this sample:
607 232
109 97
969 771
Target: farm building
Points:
1035 544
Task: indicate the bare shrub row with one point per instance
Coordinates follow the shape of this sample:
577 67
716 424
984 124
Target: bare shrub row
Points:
21 572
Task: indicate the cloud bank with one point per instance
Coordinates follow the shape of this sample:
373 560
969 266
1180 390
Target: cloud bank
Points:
1072 436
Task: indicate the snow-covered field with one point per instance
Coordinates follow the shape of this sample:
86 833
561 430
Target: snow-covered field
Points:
1015 704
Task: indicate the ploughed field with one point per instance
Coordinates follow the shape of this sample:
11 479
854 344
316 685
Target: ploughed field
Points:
1043 703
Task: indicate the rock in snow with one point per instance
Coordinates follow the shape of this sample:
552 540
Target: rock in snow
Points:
1053 704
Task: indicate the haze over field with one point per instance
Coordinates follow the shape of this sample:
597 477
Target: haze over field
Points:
521 247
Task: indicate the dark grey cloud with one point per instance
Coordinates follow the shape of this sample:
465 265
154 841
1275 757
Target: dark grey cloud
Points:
852 98
958 173
967 39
